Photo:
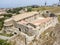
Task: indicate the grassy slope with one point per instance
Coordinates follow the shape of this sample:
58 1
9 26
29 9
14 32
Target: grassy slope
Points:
52 9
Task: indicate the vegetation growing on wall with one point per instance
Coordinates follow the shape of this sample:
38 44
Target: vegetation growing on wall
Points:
8 35
59 18
6 16
4 42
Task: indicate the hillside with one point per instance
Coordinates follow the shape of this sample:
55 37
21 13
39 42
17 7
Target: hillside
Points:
52 9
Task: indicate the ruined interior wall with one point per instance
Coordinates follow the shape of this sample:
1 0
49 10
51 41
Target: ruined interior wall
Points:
17 40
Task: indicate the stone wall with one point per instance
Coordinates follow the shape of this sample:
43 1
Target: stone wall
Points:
17 40
21 39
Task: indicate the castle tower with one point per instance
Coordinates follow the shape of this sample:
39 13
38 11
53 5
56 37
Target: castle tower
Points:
45 3
59 3
59 0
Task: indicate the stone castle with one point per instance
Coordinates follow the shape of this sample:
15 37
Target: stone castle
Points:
27 27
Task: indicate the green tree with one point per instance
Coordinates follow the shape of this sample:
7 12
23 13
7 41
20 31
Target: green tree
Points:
6 16
9 11
29 9
14 10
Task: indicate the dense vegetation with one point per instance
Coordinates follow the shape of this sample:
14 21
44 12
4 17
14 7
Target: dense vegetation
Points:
4 42
8 35
15 10
34 8
29 9
6 16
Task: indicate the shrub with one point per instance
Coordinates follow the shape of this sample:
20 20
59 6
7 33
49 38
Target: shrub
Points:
4 42
29 9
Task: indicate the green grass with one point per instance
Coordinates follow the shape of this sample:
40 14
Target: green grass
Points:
8 35
59 18
52 9
4 42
